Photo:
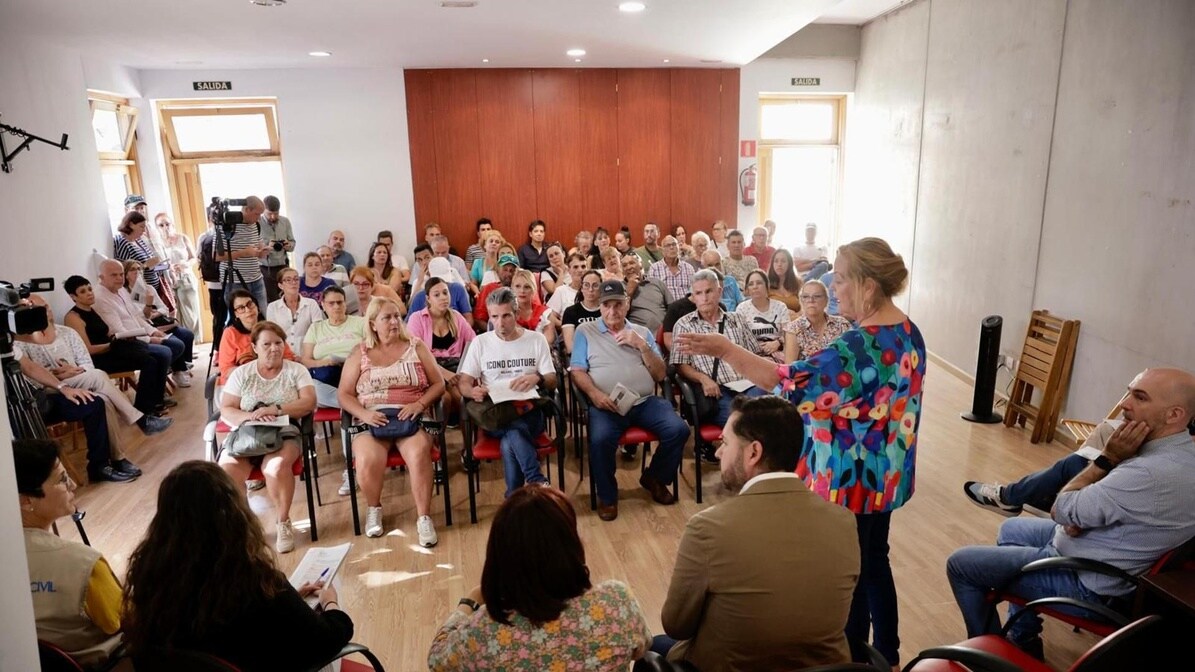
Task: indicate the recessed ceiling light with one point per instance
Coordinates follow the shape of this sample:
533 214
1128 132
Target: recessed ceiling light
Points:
631 7
575 52
667 61
319 53
485 60
576 60
267 3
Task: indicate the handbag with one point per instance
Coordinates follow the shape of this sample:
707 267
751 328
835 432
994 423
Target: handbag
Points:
707 407
450 363
253 441
492 417
394 427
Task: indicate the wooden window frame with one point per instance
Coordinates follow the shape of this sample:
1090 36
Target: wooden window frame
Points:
125 161
766 147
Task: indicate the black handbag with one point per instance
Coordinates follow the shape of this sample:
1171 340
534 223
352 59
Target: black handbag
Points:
707 407
492 417
450 363
394 427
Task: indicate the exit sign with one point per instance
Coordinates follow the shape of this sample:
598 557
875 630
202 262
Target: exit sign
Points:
807 81
214 86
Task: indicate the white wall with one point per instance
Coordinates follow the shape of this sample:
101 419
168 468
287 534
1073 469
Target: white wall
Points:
1046 173
345 153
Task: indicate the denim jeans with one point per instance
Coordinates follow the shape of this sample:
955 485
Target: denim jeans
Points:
819 269
92 416
653 414
873 605
1040 488
520 463
257 288
181 344
727 399
974 570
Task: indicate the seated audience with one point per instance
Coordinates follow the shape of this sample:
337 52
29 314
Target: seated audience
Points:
263 389
484 269
1129 506
327 346
749 592
511 357
700 243
828 280
716 378
117 355
440 248
732 296
203 580
556 619
586 309
292 311
432 231
386 238
649 253
611 353
507 265
448 333
76 596
770 227
554 272
61 352
440 268
419 274
143 295
764 316
582 244
814 328
622 241
736 264
532 314
672 271
601 241
649 296
314 282
679 232
759 247
391 377
332 270
237 347
533 254
383 268
124 318
341 256
611 264
782 281
367 288
718 241
477 250
811 259
565 293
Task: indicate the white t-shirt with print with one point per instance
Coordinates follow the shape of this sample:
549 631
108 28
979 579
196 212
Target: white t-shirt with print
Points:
491 359
248 384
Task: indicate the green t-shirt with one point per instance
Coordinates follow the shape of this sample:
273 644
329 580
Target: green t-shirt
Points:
336 341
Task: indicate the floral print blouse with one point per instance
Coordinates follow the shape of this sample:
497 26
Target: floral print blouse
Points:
861 400
604 629
811 342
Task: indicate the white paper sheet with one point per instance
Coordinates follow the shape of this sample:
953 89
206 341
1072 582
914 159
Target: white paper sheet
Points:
314 564
741 385
278 421
500 391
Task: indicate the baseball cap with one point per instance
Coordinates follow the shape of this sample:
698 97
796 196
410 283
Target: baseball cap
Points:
133 200
508 259
612 289
441 268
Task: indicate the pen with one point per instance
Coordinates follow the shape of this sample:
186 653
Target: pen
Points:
321 574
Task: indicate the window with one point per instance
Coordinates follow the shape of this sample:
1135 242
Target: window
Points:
114 127
227 130
800 163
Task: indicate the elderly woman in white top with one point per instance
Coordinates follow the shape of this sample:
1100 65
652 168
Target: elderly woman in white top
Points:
292 311
815 328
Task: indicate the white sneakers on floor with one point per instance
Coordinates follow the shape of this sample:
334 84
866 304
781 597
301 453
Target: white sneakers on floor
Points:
373 521
285 542
427 532
344 491
182 378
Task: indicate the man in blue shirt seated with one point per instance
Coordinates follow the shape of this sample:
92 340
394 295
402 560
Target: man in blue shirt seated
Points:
1132 504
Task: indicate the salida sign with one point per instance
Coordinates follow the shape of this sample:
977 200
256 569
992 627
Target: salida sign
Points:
213 86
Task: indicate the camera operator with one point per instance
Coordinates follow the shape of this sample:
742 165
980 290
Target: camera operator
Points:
247 253
279 237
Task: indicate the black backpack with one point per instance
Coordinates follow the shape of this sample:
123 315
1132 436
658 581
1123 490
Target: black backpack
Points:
209 268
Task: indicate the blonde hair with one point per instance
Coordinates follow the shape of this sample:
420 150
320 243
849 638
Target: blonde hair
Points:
371 313
525 275
364 272
873 259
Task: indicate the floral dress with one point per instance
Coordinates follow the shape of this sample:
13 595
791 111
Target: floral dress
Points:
861 400
601 630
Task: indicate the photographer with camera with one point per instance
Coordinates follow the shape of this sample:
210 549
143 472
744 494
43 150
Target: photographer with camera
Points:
280 239
242 246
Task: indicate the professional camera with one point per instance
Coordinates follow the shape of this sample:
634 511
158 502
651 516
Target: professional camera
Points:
18 319
219 213
277 245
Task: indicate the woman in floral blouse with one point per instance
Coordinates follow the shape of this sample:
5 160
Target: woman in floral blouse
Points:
814 328
861 397
536 608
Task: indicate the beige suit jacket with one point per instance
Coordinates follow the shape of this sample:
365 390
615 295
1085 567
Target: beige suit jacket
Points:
764 581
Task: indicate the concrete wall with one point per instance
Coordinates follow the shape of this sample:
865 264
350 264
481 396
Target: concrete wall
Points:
1052 169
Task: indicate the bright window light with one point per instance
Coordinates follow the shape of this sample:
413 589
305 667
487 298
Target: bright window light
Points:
107 131
221 132
804 121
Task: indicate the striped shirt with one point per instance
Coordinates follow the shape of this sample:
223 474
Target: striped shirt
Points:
736 330
139 250
246 235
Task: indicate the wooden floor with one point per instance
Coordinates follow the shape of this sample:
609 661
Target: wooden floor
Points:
398 593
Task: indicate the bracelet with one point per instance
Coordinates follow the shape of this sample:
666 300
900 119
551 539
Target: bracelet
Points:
330 604
468 602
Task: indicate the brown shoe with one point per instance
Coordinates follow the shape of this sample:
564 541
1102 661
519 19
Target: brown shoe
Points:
607 512
658 490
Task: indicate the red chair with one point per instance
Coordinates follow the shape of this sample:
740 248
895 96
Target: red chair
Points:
433 425
481 447
705 434
54 659
325 417
303 467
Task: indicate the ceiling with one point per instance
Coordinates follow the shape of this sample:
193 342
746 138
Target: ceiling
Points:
858 12
166 34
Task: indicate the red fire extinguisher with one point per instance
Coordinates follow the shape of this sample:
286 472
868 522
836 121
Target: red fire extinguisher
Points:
747 184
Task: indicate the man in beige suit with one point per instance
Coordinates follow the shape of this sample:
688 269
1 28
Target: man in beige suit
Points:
763 581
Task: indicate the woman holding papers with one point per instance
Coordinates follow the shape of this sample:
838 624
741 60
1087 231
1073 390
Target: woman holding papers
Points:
388 383
204 580
263 391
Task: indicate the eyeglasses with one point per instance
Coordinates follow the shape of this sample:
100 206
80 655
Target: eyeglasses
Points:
243 307
591 285
812 297
363 285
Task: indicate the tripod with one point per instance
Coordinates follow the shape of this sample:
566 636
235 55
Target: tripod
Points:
24 416
222 239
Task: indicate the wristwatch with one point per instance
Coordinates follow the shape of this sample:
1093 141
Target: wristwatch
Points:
279 407
1104 463
469 602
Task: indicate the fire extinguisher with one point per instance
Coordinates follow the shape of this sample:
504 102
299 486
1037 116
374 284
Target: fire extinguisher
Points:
747 184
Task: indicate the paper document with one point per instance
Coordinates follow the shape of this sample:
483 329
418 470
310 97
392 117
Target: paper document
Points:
624 397
130 333
314 564
741 385
278 421
500 391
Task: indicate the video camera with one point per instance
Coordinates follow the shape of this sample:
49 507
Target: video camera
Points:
18 319
218 213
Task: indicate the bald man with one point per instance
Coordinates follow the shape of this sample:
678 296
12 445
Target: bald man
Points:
340 256
1129 506
247 253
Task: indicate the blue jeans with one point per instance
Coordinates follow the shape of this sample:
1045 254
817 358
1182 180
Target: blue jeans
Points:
256 287
819 269
1040 488
974 570
520 463
727 399
873 605
92 416
662 644
181 344
653 414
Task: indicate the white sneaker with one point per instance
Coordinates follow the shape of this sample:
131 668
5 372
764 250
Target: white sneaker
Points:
255 484
182 379
427 531
373 521
285 542
344 491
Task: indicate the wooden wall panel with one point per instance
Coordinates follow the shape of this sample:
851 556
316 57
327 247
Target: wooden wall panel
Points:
644 138
728 175
458 160
598 116
696 130
421 131
558 155
506 139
